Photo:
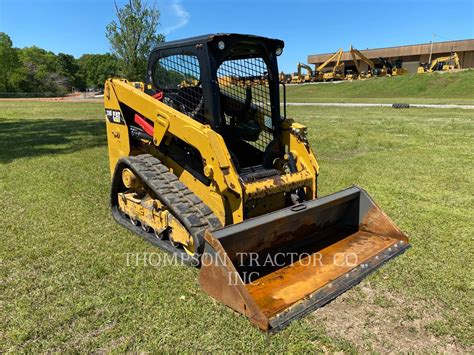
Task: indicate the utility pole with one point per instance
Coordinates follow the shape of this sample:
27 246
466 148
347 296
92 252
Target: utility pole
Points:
431 49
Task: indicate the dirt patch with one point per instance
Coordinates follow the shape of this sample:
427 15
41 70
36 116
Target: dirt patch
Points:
78 97
54 99
375 320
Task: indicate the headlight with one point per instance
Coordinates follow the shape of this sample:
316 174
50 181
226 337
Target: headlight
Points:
279 51
301 134
221 45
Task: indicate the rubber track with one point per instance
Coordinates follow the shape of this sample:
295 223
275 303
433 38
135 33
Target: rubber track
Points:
183 204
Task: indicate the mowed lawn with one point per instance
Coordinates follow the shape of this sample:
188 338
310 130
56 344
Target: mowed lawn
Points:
65 283
430 88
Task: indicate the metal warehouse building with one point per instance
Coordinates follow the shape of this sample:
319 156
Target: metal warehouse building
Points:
410 55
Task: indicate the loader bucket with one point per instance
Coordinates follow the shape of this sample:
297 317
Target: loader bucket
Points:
279 266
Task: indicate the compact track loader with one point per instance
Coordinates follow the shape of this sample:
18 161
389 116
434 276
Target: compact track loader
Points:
205 165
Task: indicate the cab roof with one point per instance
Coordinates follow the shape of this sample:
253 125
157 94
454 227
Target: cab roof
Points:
214 38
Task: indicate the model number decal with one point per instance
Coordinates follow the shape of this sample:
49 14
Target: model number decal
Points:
114 116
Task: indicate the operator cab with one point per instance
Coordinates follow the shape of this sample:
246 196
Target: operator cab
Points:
229 81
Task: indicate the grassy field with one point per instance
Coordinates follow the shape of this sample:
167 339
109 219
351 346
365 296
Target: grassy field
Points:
66 284
432 88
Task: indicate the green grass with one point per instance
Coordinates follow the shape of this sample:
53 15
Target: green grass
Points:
65 281
432 88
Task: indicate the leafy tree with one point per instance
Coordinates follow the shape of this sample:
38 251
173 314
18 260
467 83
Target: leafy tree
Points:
38 71
42 72
19 79
8 62
134 36
69 69
94 69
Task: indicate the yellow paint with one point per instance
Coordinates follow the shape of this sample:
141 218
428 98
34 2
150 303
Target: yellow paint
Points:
154 214
226 195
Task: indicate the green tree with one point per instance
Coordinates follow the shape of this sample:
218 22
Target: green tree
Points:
133 37
19 79
42 72
69 68
8 62
94 69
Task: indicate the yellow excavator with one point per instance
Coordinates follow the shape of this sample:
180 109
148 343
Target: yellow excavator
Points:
398 68
299 78
337 72
214 173
351 75
308 77
384 69
397 71
356 54
450 62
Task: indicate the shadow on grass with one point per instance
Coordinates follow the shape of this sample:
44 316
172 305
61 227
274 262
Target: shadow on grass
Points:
31 138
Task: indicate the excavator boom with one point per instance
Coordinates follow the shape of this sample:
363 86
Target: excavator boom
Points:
337 71
441 63
307 67
452 58
337 55
354 53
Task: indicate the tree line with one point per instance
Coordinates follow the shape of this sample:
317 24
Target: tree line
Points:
33 70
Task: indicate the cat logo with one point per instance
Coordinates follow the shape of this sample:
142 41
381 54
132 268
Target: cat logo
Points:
114 116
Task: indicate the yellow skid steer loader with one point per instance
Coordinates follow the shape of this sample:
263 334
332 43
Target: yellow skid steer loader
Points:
205 166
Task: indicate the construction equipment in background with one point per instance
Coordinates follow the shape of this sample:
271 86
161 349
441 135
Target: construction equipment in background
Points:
284 78
399 71
296 78
450 62
398 68
356 54
337 73
213 173
308 77
384 68
299 78
227 81
351 75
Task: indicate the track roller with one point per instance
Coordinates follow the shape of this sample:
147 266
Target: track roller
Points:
142 187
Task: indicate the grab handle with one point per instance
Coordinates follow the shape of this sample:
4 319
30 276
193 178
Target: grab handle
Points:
298 207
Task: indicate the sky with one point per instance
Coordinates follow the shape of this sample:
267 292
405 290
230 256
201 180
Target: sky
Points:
308 27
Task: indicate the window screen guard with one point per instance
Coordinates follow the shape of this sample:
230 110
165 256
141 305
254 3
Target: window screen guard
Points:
179 77
245 82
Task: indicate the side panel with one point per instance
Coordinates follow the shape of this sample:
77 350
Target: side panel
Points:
118 140
216 158
211 146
